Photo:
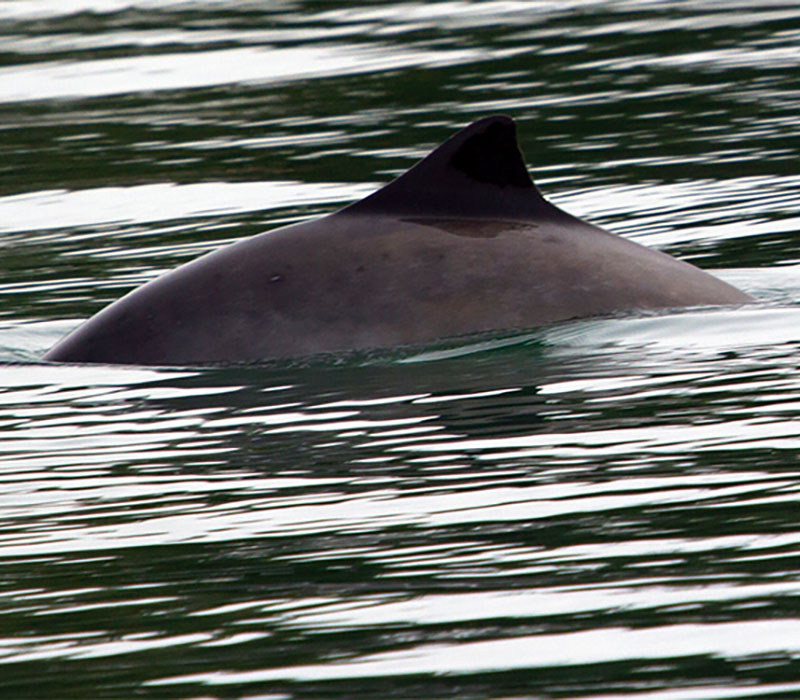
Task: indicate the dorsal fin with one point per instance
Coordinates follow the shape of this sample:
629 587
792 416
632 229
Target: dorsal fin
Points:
478 172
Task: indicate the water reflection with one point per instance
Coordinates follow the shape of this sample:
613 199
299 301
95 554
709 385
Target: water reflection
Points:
105 77
281 438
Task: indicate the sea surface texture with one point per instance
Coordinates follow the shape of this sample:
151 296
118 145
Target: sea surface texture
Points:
604 509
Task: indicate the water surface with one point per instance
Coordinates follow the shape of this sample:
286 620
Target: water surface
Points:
600 509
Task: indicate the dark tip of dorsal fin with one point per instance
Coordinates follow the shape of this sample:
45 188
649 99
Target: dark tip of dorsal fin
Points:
477 172
490 153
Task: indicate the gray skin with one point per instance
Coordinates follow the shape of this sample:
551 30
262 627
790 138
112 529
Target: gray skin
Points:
461 243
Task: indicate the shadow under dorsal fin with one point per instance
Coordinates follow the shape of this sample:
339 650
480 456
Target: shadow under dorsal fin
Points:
478 172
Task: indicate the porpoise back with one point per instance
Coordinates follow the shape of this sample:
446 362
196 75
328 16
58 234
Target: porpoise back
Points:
461 243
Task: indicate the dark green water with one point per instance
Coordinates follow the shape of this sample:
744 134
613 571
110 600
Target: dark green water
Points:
604 509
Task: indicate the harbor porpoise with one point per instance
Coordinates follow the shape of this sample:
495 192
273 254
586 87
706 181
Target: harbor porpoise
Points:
461 243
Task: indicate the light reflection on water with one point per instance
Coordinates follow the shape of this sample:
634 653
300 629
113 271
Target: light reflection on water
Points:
527 497
599 509
160 202
113 76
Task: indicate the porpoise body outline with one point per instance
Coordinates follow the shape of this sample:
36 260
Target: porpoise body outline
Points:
461 243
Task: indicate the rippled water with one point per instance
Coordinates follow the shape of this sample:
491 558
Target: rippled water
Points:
605 508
